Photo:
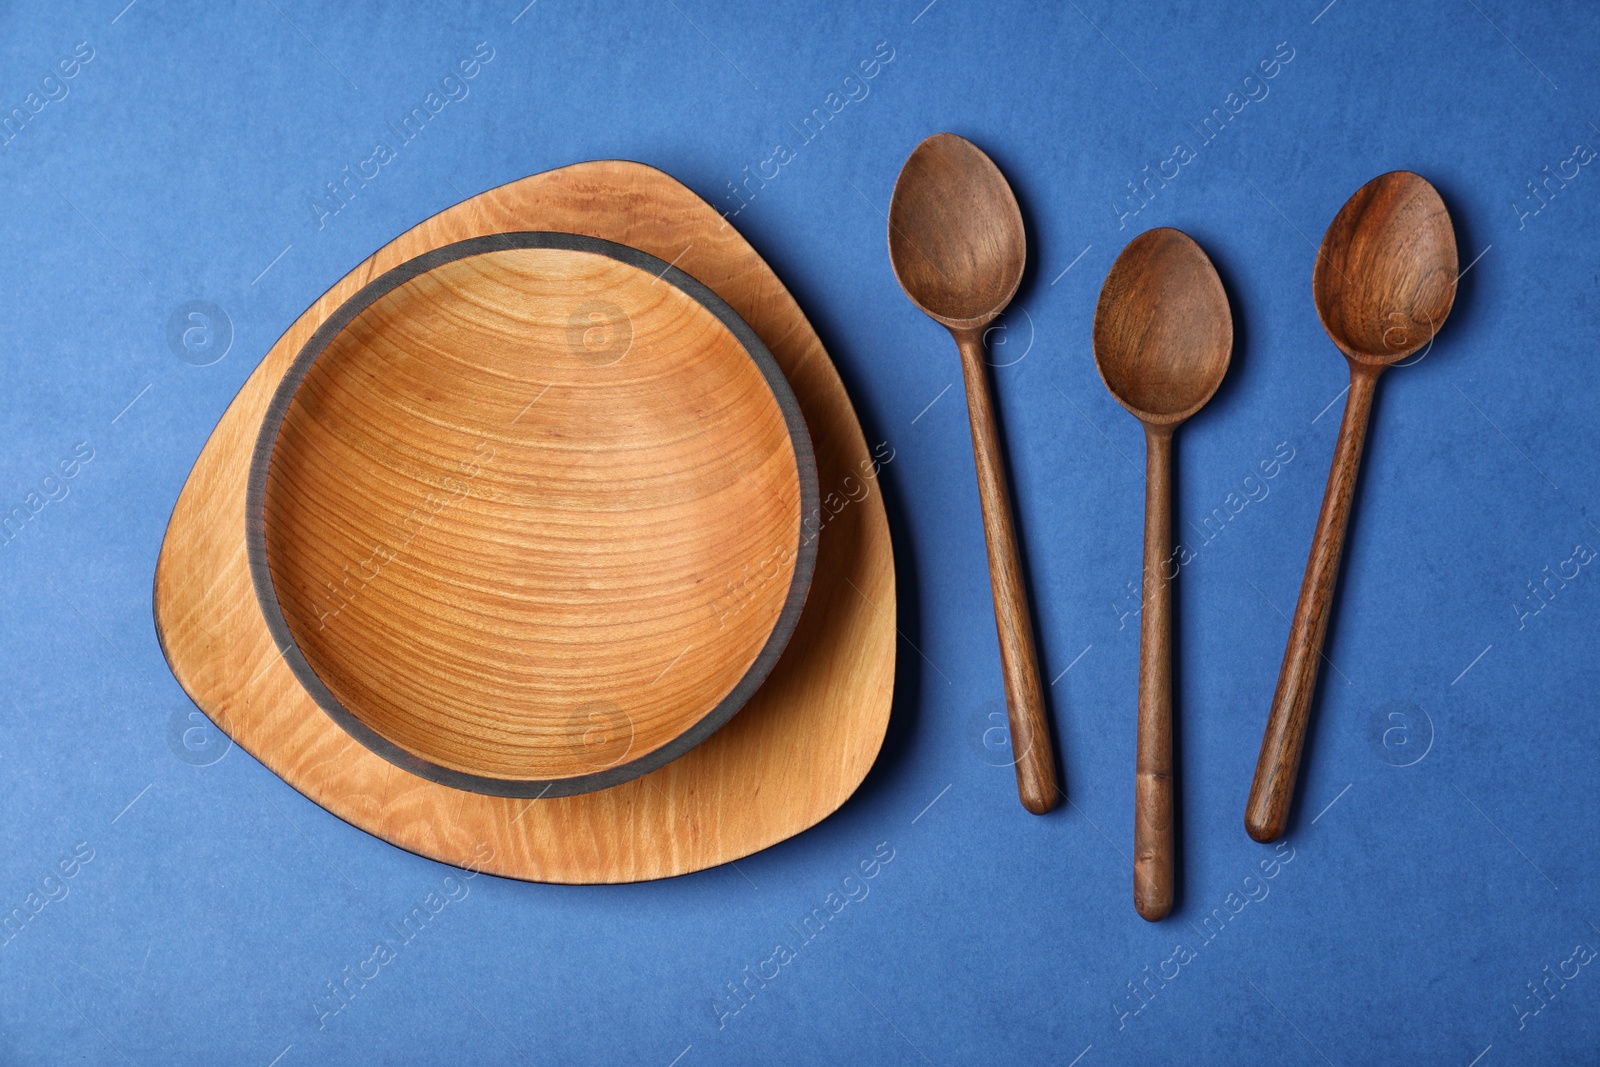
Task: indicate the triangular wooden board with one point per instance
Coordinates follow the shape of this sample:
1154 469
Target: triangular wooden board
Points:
796 751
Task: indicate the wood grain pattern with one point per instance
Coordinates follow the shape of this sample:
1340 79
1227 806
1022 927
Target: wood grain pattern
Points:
1019 663
958 248
799 748
1155 848
1384 283
1163 339
513 509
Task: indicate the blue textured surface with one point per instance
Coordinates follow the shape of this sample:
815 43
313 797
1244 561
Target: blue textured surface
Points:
1444 855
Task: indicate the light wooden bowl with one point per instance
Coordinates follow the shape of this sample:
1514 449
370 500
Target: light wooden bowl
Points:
525 514
789 759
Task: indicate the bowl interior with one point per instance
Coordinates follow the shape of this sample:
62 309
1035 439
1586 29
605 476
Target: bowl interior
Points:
530 514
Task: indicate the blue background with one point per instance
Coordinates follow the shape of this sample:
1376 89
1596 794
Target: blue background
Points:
1444 846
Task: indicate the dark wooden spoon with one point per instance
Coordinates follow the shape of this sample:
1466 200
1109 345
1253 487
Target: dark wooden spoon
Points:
1163 337
957 246
1384 283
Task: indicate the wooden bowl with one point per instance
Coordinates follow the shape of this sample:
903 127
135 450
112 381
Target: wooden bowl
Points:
796 751
524 516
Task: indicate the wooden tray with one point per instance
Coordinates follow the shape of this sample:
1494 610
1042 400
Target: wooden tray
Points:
798 749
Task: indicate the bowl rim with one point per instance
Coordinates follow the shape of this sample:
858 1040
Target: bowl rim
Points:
335 324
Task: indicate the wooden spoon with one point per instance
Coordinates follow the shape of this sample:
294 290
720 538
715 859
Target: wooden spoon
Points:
1384 283
957 246
1163 336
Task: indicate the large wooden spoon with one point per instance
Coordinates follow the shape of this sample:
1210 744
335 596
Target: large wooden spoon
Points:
957 246
1384 283
1163 336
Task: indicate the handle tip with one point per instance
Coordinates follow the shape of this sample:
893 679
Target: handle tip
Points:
1152 910
1154 879
1037 802
1263 828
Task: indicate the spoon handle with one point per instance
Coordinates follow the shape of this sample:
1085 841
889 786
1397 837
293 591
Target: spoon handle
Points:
1153 846
1030 734
1272 791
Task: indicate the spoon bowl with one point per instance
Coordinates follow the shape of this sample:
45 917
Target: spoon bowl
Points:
1385 278
1163 338
1163 333
956 240
957 246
